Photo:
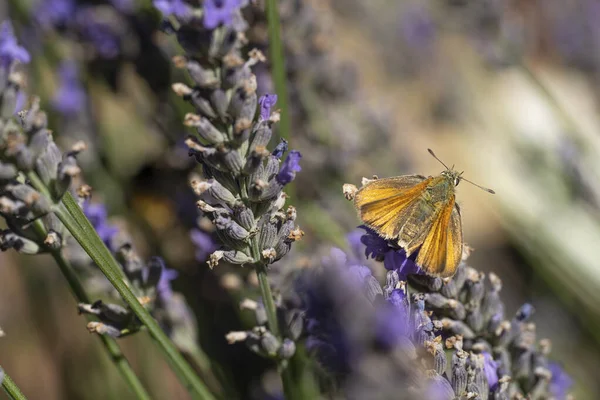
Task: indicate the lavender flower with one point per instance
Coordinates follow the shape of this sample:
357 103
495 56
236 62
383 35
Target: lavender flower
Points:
280 149
394 258
266 102
560 383
26 147
204 243
100 31
418 27
163 287
10 51
491 370
240 190
217 12
70 97
178 8
290 166
98 216
54 12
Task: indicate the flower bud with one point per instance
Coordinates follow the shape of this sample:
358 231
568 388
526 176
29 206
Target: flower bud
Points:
206 130
447 307
287 349
202 105
261 135
245 217
458 328
233 161
270 344
103 329
220 103
429 283
267 232
237 257
10 240
459 372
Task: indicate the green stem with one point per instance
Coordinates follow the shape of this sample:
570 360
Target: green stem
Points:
278 67
72 217
289 386
265 291
109 343
11 388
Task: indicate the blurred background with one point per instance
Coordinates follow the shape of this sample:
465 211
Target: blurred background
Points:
508 91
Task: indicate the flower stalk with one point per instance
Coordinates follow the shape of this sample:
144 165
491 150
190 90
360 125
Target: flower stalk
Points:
81 296
10 387
71 215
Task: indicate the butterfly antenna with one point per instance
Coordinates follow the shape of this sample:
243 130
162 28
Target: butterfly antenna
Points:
434 156
479 186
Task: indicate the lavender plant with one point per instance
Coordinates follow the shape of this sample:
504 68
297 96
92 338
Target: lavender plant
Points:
40 213
417 336
414 337
241 189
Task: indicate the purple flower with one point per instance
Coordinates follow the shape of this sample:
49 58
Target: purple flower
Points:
218 12
266 102
280 149
54 12
204 244
20 103
393 258
163 287
356 245
525 312
97 215
99 32
490 368
290 166
560 383
70 97
9 49
376 246
418 28
392 324
177 8
123 5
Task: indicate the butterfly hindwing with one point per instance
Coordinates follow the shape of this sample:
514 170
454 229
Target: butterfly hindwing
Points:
441 250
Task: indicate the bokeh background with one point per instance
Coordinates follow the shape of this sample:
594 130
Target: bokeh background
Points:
508 91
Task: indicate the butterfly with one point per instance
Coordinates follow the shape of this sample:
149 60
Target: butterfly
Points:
420 213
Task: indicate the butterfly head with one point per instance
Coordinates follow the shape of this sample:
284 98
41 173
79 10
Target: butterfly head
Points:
452 175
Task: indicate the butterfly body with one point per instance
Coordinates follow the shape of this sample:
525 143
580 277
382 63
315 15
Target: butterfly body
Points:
420 213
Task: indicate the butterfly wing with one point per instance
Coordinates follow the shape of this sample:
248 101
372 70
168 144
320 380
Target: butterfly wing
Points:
384 204
441 251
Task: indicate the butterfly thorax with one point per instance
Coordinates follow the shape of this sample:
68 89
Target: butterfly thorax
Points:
439 192
441 187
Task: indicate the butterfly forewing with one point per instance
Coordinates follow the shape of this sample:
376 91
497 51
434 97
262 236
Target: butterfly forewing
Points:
383 204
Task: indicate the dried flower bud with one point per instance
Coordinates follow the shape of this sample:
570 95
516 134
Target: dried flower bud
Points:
459 372
206 130
349 191
10 240
269 254
103 329
443 306
234 337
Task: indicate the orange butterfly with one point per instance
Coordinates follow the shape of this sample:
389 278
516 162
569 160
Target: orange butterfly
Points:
420 213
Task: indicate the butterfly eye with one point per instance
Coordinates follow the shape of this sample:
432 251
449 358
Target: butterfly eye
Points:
456 181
